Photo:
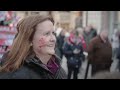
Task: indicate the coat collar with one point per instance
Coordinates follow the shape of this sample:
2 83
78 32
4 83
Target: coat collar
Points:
33 60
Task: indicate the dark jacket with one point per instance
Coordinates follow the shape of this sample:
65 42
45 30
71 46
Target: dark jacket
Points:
73 59
60 42
32 69
118 53
89 36
100 54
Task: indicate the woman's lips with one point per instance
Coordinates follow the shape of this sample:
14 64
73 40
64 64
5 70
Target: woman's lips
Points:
51 45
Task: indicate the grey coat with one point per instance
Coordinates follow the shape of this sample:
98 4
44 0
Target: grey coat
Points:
32 69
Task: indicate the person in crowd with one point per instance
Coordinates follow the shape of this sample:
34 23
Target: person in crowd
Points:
73 51
89 33
58 29
93 30
32 55
115 43
100 53
80 31
60 42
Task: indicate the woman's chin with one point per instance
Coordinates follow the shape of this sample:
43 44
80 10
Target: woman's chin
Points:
51 52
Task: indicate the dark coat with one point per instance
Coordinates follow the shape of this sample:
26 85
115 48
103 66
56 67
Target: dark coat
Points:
60 42
73 60
89 36
32 69
118 53
100 54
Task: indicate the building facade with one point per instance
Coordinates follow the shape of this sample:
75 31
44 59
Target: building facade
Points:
67 19
102 20
72 19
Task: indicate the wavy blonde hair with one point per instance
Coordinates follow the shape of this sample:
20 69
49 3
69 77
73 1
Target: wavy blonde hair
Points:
21 46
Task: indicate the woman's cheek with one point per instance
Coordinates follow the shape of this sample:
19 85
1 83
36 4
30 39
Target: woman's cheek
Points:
42 42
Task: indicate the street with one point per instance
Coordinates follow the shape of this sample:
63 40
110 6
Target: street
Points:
83 68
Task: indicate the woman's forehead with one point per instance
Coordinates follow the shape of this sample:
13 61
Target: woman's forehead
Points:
45 26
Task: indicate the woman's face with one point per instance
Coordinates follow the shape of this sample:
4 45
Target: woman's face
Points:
44 39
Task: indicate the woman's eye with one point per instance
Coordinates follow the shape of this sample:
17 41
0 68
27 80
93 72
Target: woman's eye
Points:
47 33
53 33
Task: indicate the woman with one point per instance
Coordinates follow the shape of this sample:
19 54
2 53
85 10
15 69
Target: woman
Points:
73 51
32 55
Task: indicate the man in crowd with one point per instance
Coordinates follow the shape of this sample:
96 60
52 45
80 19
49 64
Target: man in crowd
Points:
100 53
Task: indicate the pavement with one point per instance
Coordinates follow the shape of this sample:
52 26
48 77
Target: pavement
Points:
84 65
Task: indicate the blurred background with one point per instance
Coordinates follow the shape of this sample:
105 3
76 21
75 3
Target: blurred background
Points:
72 19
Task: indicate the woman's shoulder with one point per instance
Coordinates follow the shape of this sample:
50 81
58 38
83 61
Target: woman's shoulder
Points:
22 73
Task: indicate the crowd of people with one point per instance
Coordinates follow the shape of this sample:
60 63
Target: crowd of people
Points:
73 47
100 49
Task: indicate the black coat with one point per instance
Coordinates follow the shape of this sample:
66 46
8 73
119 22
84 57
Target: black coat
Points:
74 60
118 53
32 69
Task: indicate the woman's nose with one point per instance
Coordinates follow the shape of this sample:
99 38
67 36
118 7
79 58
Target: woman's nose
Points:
53 38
